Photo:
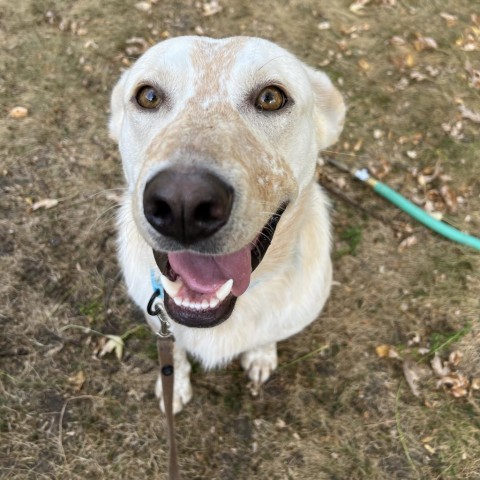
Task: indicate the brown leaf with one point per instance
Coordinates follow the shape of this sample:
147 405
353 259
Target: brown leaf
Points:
455 358
386 351
364 65
424 43
407 242
77 381
456 383
439 369
449 197
18 112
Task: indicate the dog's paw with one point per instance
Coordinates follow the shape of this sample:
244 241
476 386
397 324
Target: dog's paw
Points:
182 393
259 364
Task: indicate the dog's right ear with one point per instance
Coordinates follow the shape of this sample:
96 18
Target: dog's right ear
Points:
329 108
117 108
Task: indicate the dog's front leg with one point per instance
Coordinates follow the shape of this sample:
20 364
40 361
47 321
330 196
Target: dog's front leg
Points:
259 363
182 388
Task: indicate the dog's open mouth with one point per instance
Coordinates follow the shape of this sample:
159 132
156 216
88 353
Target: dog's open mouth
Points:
201 290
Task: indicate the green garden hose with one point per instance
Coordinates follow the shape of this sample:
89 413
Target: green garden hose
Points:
411 209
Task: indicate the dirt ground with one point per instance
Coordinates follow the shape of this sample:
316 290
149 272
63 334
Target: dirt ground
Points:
355 396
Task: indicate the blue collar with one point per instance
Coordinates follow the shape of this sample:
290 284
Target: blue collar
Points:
156 284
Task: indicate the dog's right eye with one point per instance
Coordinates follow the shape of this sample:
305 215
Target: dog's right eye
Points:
148 97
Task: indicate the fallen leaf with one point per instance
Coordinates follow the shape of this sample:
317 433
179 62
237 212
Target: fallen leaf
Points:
449 18
455 358
143 6
113 344
413 375
449 197
358 5
456 383
46 203
211 7
280 424
418 76
324 26
439 369
398 41
429 448
358 145
18 112
424 43
364 65
382 350
407 242
474 80
387 351
469 114
77 381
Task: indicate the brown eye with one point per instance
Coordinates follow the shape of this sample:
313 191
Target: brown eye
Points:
148 97
270 99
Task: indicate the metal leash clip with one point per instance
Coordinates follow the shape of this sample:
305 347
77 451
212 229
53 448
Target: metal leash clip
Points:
156 308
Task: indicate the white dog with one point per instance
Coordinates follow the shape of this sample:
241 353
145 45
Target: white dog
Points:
219 141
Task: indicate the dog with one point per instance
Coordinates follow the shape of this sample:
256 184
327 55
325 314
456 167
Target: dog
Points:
219 140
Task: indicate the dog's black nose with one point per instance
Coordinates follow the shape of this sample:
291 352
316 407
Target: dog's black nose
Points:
187 206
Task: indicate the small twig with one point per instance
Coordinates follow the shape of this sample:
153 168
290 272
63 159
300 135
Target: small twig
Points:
304 357
109 292
60 422
353 203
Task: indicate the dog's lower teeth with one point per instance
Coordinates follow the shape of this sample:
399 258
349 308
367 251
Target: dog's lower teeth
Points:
203 305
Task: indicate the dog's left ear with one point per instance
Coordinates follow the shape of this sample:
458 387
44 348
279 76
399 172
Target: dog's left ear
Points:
329 109
116 108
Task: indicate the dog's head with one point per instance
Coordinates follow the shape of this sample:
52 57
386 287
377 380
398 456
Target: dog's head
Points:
217 138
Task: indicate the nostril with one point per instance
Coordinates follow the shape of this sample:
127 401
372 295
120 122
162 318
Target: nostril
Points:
159 212
161 209
207 212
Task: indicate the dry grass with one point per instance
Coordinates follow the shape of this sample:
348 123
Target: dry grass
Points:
339 413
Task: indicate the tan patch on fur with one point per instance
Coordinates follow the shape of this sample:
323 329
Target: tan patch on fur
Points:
214 64
222 137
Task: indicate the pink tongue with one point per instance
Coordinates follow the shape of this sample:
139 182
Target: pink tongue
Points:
205 274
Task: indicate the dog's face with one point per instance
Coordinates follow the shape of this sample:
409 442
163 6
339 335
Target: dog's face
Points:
217 138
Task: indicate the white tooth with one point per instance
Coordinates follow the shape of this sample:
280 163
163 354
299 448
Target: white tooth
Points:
172 288
205 304
185 302
224 290
214 302
198 306
177 300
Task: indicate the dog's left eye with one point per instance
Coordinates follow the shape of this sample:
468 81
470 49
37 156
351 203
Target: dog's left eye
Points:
270 98
148 97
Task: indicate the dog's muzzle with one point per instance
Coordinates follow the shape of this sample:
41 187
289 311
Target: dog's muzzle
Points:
200 290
